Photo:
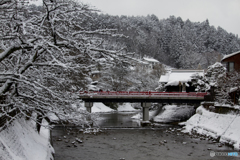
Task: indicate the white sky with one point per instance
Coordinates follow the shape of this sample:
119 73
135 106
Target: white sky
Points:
223 13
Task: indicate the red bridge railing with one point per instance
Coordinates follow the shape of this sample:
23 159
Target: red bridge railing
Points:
148 93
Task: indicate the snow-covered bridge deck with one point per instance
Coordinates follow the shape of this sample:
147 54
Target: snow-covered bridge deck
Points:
160 97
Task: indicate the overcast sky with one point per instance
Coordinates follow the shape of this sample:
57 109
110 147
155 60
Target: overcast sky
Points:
224 13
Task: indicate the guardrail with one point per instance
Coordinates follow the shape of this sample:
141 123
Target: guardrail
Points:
149 93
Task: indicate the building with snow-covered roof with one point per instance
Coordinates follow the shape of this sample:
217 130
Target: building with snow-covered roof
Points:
180 80
150 61
232 61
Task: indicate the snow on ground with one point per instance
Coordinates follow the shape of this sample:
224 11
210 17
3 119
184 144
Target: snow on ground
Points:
20 141
174 113
227 105
138 116
126 107
100 107
225 126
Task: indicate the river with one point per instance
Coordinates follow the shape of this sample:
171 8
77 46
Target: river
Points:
123 138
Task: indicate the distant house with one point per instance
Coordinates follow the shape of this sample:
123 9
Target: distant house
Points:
145 62
151 62
95 75
180 80
232 61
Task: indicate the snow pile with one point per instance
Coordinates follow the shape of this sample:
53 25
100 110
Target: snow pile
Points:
139 116
20 141
125 107
173 113
100 107
225 126
53 117
214 73
217 104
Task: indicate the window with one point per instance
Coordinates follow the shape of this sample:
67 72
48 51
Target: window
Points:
231 67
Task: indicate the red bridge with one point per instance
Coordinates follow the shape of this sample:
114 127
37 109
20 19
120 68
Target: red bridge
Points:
161 97
144 97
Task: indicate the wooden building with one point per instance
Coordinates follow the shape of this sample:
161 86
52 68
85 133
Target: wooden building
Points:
232 62
180 80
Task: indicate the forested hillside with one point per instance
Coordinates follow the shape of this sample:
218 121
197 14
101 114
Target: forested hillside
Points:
181 44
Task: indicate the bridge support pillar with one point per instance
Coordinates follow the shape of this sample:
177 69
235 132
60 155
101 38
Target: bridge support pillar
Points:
145 107
88 106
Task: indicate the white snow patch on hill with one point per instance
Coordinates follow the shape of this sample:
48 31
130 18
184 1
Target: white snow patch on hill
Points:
208 123
20 141
125 107
100 107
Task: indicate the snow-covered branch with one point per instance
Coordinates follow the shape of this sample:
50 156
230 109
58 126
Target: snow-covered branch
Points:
46 53
9 51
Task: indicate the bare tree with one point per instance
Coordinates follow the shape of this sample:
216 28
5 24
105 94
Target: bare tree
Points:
46 54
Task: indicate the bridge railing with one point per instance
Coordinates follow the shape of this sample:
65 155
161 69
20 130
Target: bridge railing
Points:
147 93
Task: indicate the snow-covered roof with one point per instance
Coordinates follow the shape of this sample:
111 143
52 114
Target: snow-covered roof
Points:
150 59
234 89
164 78
95 72
173 77
230 55
143 62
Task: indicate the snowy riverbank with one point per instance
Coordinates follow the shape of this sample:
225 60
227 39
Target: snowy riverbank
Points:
20 141
223 126
169 113
174 113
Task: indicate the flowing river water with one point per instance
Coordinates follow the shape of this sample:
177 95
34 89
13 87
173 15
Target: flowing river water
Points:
122 138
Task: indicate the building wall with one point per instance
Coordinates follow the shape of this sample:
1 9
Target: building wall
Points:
235 59
179 88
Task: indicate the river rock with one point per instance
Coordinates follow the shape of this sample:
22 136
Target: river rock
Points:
79 140
161 143
179 129
184 142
